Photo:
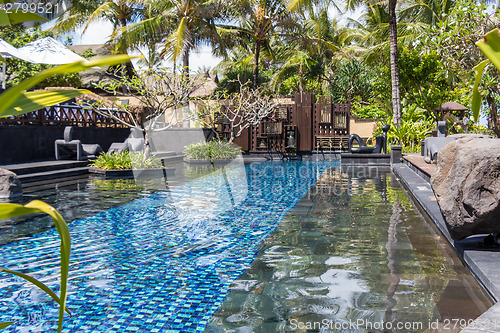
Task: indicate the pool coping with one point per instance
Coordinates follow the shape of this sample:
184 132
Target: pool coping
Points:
483 263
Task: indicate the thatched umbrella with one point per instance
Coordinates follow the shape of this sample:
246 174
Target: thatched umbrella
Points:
452 106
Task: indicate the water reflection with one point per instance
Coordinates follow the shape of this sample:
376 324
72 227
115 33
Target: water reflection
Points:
74 199
353 256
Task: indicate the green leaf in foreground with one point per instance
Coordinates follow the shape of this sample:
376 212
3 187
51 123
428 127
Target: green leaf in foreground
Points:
18 16
9 210
36 283
35 100
8 98
5 324
476 96
490 45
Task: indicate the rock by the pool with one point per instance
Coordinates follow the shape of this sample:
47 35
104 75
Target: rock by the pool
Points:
10 186
467 186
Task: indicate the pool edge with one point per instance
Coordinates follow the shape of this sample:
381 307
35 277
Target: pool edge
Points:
483 270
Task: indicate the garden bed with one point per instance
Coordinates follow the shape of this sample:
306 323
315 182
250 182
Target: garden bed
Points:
129 173
206 162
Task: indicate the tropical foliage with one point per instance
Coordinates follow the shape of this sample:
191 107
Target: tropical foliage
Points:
396 56
16 101
393 57
212 150
126 160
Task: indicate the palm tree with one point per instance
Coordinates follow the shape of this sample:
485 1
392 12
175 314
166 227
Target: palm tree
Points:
178 25
236 66
393 46
259 21
194 25
119 12
152 58
312 47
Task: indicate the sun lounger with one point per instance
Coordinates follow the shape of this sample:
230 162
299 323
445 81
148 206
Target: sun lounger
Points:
68 146
135 142
434 144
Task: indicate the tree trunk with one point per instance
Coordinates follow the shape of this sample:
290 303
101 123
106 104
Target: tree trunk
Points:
493 121
301 84
393 42
256 68
129 68
185 63
185 74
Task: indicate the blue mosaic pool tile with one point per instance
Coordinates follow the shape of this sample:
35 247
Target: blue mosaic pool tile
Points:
162 263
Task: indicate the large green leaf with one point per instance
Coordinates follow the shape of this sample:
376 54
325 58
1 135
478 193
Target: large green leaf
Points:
8 98
36 283
490 45
476 96
18 16
35 100
9 210
5 324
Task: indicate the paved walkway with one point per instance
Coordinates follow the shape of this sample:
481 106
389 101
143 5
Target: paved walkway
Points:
419 162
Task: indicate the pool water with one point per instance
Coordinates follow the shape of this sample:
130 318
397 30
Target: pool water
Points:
353 256
258 248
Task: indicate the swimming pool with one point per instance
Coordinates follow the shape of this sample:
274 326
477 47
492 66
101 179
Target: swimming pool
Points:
167 261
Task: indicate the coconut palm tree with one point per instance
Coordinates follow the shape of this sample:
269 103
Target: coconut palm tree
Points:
312 47
295 58
258 22
119 12
393 46
178 25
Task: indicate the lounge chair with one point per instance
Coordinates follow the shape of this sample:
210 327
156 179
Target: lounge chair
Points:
434 144
71 147
135 142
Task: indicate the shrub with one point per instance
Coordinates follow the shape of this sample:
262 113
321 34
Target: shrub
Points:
413 129
126 160
212 150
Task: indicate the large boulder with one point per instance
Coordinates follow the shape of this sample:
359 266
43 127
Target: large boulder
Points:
467 186
10 186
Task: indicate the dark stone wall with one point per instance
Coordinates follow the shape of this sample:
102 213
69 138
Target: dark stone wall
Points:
19 144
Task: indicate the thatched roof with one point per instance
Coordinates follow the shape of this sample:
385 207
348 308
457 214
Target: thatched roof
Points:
95 75
452 106
99 49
